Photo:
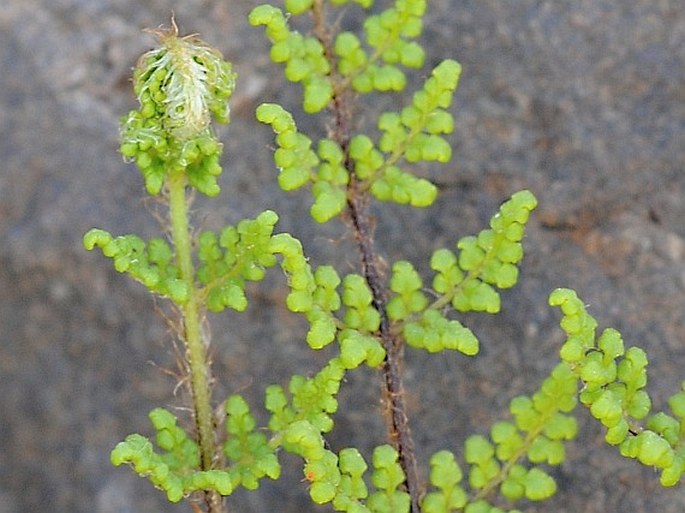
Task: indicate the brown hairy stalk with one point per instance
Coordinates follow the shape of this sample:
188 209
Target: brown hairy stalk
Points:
361 224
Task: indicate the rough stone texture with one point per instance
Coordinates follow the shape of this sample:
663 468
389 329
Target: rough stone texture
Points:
581 101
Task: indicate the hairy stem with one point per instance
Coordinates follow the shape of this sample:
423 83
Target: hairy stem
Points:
398 423
196 351
393 391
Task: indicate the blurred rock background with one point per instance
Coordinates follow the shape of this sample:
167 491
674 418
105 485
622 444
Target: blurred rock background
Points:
581 101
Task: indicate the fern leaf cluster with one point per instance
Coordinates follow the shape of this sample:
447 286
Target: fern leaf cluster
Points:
363 318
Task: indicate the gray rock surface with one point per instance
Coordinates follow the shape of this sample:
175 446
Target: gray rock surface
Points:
580 101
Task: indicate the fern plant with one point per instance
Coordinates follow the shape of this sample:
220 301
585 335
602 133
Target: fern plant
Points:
369 317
